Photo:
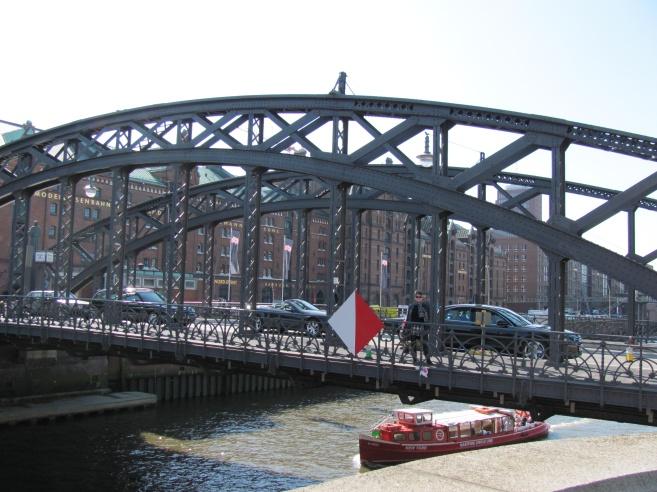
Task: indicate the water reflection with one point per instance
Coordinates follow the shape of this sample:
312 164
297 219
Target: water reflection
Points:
268 442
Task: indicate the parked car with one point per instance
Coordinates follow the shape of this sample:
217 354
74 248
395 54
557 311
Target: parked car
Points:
505 331
140 304
292 314
45 303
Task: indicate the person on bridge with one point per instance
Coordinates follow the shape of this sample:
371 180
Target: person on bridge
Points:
415 329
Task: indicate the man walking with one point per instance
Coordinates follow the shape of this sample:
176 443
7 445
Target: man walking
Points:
415 330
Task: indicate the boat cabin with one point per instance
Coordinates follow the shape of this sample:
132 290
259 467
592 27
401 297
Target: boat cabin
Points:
413 416
418 425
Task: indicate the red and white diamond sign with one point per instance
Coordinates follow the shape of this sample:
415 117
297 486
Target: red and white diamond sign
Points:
355 323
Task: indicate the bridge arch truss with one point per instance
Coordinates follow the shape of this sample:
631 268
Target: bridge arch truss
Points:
343 141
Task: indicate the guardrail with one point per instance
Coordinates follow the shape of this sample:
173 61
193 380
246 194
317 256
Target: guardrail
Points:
601 369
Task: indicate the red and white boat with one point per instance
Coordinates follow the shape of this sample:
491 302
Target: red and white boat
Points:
414 433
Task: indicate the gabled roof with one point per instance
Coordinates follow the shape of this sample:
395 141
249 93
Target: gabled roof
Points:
144 175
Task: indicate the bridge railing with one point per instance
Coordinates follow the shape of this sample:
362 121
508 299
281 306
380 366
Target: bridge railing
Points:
605 361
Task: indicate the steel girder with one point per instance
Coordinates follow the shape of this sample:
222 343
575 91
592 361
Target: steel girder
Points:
151 136
551 238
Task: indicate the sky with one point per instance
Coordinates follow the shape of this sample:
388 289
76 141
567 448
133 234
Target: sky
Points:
590 61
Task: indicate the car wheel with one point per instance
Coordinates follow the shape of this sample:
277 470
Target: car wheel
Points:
533 350
313 328
154 319
259 326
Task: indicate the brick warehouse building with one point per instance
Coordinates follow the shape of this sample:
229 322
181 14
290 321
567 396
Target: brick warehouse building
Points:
385 235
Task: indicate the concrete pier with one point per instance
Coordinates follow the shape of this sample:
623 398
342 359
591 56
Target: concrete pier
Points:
73 405
627 463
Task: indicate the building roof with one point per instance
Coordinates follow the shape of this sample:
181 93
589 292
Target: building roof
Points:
144 175
12 136
212 174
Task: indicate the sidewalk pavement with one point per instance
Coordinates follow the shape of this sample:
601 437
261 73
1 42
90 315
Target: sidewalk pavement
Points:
601 464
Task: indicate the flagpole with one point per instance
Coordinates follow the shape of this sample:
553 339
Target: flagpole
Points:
283 274
380 280
230 259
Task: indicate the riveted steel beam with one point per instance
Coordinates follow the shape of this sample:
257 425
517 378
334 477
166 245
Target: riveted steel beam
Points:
251 243
19 243
337 226
617 203
65 224
117 234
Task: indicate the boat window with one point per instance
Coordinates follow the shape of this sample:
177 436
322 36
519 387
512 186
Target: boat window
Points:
453 432
427 436
399 436
476 427
413 436
465 429
487 426
421 418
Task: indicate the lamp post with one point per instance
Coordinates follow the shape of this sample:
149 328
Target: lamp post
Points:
90 189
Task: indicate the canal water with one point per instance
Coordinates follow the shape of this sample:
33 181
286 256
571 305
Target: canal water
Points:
270 442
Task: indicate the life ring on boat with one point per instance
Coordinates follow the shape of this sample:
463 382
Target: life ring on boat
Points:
440 435
485 410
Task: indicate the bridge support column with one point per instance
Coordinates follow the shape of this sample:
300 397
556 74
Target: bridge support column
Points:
181 185
19 245
557 264
417 250
410 271
116 257
65 229
441 295
251 243
303 229
436 274
209 243
338 221
353 268
631 293
481 254
441 168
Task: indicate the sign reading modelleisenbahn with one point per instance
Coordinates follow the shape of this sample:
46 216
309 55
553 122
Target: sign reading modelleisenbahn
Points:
44 257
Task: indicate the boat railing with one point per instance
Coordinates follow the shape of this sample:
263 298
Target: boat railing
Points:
384 420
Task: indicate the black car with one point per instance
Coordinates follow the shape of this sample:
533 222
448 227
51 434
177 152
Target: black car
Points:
46 303
505 331
140 304
292 315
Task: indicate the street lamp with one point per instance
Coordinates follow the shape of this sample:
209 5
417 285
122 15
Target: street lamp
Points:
90 189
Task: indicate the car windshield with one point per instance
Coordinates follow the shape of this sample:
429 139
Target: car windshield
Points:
514 317
301 304
151 296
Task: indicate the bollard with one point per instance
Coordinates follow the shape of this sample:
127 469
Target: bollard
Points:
629 351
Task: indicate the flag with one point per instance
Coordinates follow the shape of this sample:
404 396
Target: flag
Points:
383 283
233 257
355 323
287 253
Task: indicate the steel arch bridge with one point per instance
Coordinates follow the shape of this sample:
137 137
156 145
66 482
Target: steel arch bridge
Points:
344 139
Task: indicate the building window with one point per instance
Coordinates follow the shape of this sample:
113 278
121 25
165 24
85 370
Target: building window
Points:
86 213
199 249
52 231
52 207
95 213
